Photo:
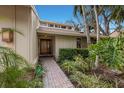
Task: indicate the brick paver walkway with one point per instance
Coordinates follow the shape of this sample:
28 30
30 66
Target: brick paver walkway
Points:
54 77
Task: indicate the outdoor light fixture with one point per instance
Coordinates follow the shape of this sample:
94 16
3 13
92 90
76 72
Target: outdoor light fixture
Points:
7 35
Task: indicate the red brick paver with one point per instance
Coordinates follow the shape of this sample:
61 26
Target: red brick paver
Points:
54 76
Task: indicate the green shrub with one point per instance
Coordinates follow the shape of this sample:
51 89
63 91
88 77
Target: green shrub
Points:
79 64
69 54
68 66
82 64
89 81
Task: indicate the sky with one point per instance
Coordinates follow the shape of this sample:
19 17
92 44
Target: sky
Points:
56 13
59 13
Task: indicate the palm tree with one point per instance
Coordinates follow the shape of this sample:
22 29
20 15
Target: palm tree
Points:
86 26
116 14
81 10
98 33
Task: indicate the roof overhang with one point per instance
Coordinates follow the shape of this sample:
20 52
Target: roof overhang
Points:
50 22
54 32
45 30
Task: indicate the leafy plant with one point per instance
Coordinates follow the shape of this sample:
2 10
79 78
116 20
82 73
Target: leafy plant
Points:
12 77
39 71
89 81
82 64
8 58
68 66
110 51
12 72
79 64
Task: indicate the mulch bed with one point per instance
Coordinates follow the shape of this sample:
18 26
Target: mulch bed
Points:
110 75
106 74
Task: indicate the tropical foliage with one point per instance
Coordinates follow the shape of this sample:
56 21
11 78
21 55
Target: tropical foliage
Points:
89 81
111 64
8 58
80 73
14 71
110 51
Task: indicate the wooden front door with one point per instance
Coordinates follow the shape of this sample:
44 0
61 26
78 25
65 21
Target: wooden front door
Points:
45 46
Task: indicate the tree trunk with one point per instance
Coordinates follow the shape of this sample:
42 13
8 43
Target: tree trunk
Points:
98 34
106 23
86 27
107 28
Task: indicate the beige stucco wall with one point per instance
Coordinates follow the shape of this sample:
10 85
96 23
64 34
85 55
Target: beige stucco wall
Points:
64 42
22 25
24 20
33 38
6 21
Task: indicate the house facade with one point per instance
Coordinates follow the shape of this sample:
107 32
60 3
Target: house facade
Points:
25 20
53 36
40 38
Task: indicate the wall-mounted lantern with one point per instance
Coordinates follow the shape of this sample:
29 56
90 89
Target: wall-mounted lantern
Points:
7 35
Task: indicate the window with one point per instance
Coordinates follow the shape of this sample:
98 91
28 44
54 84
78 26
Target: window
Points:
50 25
78 42
43 24
57 26
70 27
64 27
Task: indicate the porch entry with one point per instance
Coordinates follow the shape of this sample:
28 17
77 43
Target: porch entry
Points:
46 47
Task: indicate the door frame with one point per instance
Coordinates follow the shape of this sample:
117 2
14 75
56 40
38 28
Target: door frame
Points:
51 46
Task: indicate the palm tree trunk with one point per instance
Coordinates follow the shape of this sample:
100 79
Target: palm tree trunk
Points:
86 27
106 23
107 28
98 34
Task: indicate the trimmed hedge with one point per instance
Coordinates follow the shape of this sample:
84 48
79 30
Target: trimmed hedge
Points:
70 53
